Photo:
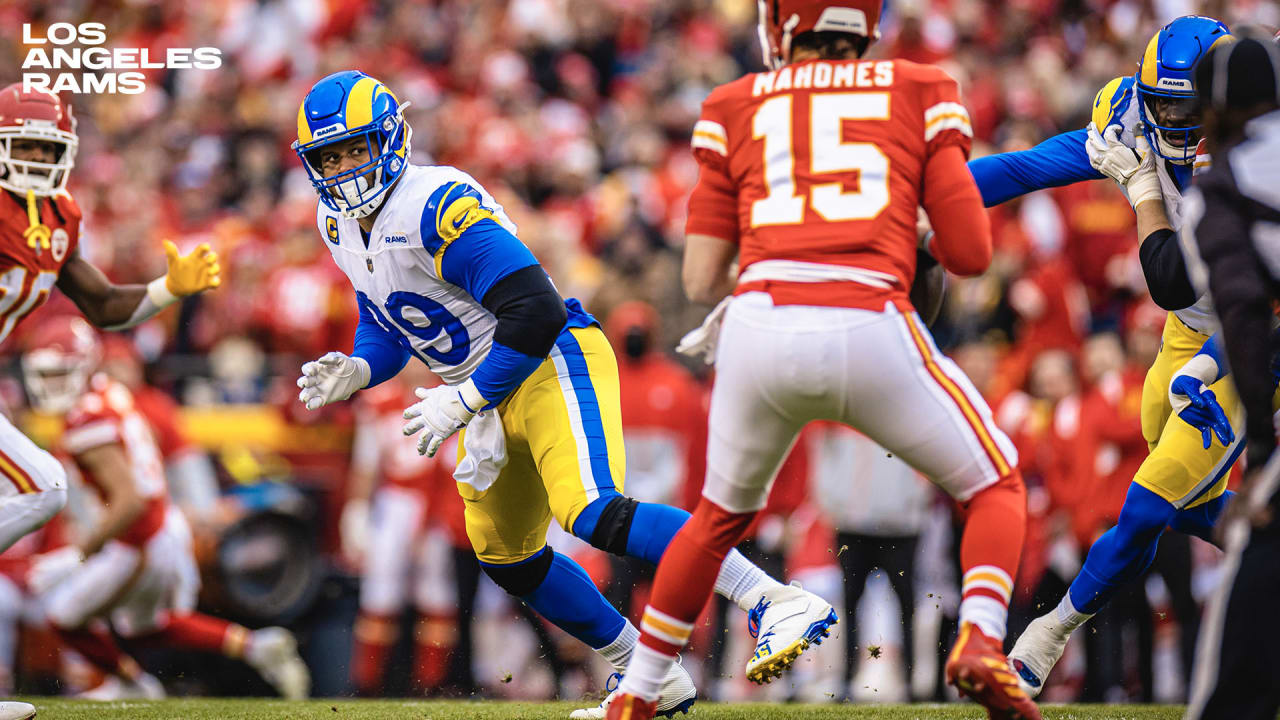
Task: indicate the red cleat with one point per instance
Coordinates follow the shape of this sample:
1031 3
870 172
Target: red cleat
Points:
630 707
980 671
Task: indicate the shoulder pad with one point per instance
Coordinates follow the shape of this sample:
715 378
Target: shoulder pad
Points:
451 209
67 206
1111 102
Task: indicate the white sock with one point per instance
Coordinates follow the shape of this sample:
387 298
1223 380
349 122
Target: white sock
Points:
741 581
619 651
1068 617
645 672
989 614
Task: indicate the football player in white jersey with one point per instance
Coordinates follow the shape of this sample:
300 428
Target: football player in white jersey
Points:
441 276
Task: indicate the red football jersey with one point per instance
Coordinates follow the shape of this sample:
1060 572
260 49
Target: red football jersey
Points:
106 415
823 162
32 256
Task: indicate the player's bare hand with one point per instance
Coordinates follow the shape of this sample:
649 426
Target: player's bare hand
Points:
194 272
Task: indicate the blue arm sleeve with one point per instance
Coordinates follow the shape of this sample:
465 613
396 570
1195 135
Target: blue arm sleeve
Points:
482 255
1060 160
378 346
501 372
1213 348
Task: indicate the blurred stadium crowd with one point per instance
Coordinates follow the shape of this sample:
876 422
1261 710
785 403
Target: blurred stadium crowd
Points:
576 114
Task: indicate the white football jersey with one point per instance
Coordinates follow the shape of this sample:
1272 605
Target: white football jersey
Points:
1123 109
397 275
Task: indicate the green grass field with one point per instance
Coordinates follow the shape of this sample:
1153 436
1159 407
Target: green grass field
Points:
231 709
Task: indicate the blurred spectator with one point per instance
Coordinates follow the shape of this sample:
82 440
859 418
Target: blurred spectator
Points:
878 505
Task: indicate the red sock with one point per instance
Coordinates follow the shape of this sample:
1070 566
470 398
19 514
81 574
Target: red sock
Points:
687 575
197 631
374 636
434 639
995 523
100 649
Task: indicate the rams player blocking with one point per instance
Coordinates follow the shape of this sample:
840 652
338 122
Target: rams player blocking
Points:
440 275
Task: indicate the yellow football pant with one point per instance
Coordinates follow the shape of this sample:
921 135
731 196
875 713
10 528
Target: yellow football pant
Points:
1179 468
563 430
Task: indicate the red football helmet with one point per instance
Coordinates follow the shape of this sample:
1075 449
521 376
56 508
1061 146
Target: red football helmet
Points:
40 116
61 355
782 20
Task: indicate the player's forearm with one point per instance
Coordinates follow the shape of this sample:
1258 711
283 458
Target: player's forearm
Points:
1060 160
962 231
108 305
1151 217
119 515
531 316
378 348
705 272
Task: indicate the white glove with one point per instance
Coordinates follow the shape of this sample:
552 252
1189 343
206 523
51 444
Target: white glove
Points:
443 410
332 378
354 527
51 568
702 339
1134 168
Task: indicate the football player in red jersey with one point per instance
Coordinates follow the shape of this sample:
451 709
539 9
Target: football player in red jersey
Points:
39 238
134 568
403 525
811 175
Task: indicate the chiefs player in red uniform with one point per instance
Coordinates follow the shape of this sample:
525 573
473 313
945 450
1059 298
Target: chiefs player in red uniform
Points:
39 238
811 174
134 569
405 534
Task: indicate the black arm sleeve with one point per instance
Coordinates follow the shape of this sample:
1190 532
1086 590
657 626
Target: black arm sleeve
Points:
529 310
1241 294
1166 271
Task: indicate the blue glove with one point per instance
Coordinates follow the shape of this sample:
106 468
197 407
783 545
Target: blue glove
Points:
1197 406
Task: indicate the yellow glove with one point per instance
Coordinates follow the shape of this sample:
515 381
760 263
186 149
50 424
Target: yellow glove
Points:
194 272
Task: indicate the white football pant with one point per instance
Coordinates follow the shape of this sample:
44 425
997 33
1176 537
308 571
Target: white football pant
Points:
778 368
402 550
33 485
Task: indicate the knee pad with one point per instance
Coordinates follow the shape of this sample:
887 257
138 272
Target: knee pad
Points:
523 577
613 527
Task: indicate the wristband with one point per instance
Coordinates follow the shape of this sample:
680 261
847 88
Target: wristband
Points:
159 294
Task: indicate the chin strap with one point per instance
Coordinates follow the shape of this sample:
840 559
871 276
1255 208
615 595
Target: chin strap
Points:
37 233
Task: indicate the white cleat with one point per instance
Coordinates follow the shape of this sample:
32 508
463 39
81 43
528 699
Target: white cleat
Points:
676 696
146 687
1038 649
10 710
785 622
273 652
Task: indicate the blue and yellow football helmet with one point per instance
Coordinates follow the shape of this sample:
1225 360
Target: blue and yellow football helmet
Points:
1166 92
344 106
